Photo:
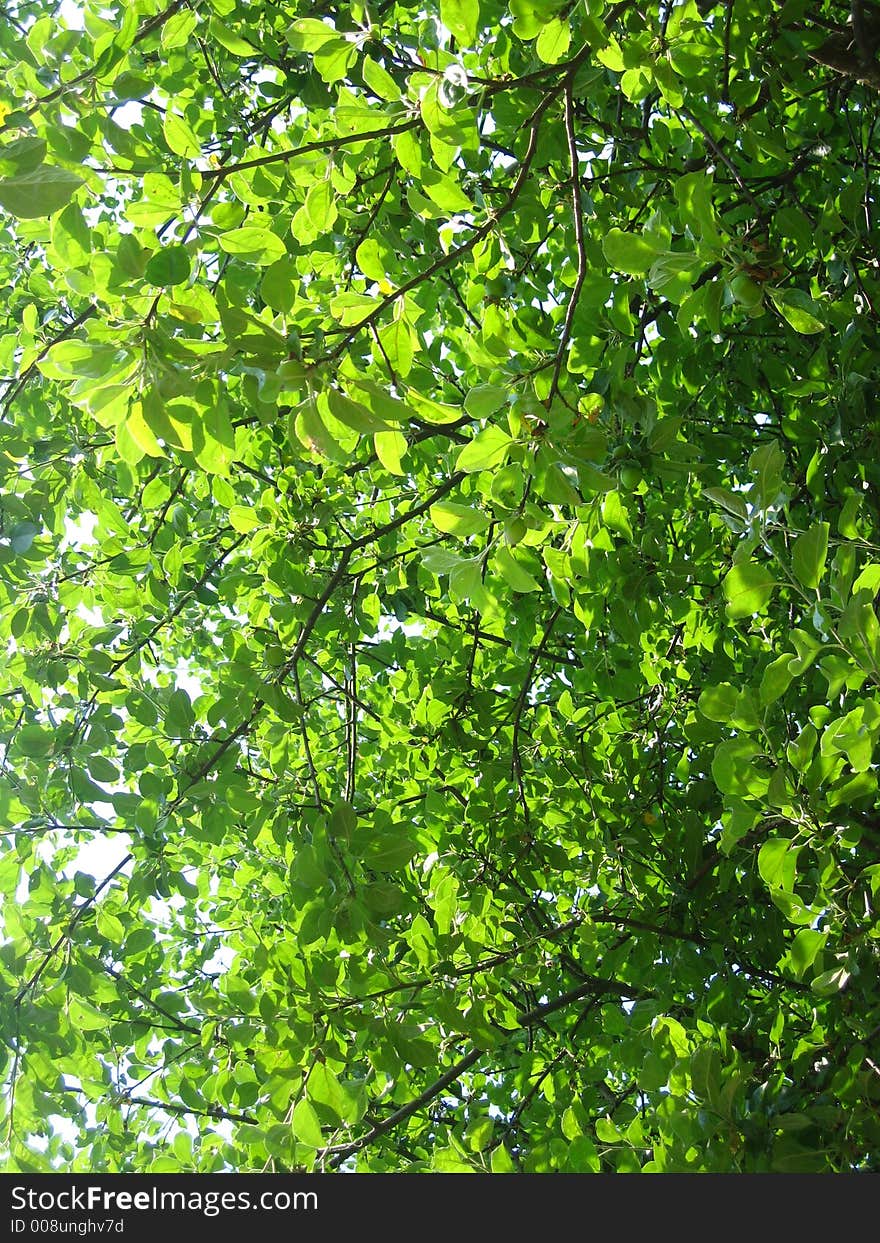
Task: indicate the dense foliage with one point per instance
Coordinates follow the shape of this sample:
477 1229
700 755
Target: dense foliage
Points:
439 454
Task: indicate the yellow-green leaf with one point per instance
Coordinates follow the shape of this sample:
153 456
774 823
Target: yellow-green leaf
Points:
310 430
553 41
390 448
462 19
41 192
180 136
747 589
809 554
488 448
305 1124
459 520
253 244
629 252
513 573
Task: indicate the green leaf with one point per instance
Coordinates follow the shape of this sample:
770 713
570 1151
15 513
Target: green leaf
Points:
437 119
766 465
776 679
489 448
798 309
462 19
732 766
140 432
132 86
479 1134
396 346
307 34
349 308
484 399
514 574
71 360
730 502
179 716
390 449
379 401
228 38
809 553
379 80
22 536
324 1089
343 820
827 983
41 192
318 212
615 515
243 519
34 741
805 945
278 286
501 1161
460 520
554 40
628 252
305 1124
673 274
718 702
353 414
169 266
693 193
440 561
177 30
772 858
389 852
22 155
180 136
370 261
101 769
309 428
606 1131
432 411
84 1016
808 648
253 244
747 589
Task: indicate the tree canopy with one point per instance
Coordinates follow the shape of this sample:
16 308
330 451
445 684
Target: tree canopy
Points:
439 459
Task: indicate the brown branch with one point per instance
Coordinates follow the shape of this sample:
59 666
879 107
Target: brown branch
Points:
178 488
352 723
152 24
180 605
309 624
345 691
516 765
307 746
725 69
342 1151
591 987
580 240
78 914
725 159
853 51
178 1023
31 368
559 658
471 969
182 1111
322 144
451 257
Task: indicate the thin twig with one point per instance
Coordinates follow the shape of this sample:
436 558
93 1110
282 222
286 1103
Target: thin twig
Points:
580 240
451 257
